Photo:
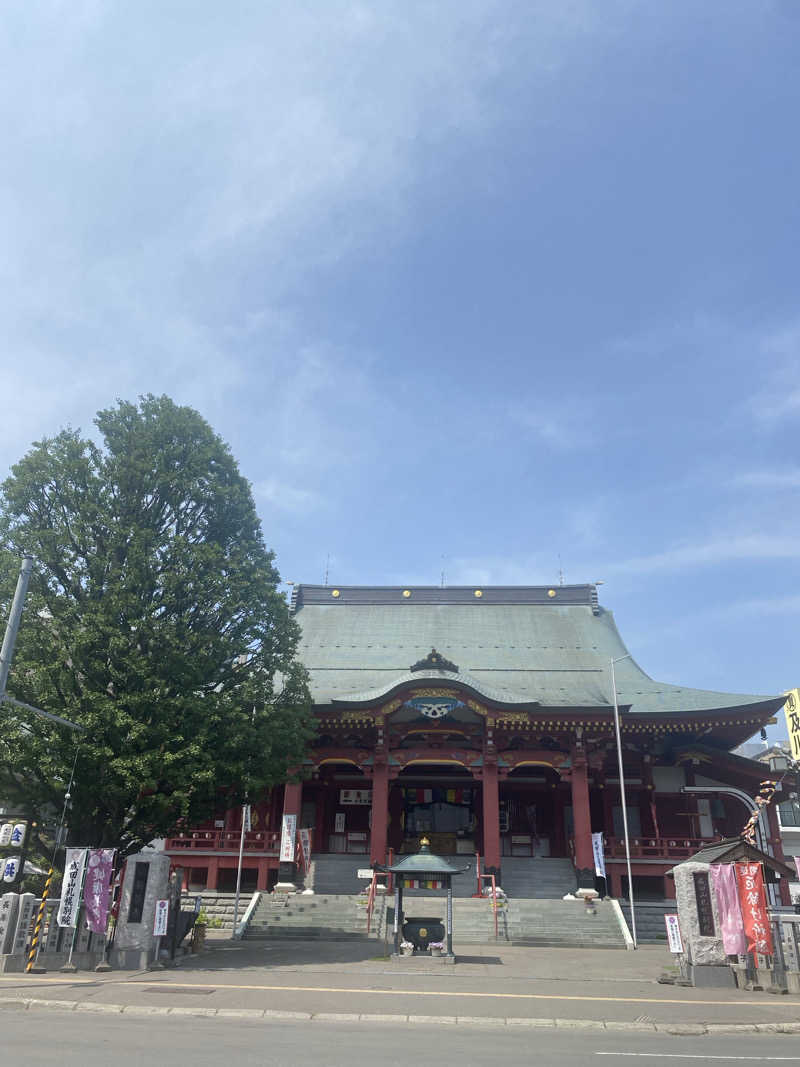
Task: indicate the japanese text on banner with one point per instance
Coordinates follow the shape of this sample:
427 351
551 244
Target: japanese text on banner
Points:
288 834
71 888
753 902
96 890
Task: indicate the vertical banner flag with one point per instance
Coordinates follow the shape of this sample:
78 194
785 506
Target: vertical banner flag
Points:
723 879
246 819
305 847
797 866
160 918
288 834
71 888
791 709
97 888
599 858
673 933
753 902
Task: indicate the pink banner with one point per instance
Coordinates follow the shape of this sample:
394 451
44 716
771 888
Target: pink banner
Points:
723 878
96 889
797 865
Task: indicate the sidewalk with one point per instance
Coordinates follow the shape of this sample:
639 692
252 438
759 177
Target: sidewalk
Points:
350 981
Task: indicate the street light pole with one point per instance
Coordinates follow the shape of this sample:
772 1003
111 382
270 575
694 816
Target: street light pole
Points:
622 795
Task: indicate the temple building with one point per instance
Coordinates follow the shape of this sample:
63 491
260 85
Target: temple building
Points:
483 718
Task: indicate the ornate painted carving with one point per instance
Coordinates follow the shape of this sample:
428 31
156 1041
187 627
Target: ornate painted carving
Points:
435 692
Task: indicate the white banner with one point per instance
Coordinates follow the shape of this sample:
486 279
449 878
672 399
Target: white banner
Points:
288 834
599 858
673 933
305 847
71 888
160 918
246 819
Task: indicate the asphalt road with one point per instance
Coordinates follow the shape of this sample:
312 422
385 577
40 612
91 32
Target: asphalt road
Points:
34 1039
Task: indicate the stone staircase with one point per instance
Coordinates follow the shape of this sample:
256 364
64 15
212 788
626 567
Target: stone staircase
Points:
563 923
324 917
650 926
526 878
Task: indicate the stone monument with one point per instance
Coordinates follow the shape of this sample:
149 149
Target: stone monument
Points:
703 958
146 881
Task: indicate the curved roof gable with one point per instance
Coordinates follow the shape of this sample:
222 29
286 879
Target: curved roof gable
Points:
514 645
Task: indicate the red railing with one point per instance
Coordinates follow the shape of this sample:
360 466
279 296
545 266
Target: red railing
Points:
667 848
224 841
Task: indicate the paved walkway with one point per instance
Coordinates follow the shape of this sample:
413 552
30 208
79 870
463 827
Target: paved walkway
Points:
348 981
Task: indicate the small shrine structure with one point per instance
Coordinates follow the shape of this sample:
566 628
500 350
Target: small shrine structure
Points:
422 866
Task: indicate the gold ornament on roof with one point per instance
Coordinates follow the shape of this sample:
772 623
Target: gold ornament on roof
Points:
406 593
551 592
335 592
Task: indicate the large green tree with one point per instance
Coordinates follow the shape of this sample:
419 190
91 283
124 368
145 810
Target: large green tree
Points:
154 621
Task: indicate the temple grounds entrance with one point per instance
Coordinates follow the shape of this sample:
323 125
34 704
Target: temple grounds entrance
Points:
441 801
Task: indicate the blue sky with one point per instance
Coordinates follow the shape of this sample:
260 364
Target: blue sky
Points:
468 286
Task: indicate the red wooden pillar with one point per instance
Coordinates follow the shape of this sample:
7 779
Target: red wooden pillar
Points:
318 842
213 871
380 811
491 819
582 821
292 805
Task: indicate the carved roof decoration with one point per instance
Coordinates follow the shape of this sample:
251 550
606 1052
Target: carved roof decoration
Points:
434 661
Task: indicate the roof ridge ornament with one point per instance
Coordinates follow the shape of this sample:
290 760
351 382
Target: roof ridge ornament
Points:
434 661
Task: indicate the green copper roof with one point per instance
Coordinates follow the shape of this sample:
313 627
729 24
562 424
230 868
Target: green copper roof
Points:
424 864
528 645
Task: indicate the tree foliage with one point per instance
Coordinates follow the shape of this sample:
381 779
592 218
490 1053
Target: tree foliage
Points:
153 620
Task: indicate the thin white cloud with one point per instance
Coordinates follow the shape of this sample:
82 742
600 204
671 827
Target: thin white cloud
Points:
779 351
785 478
554 427
287 498
708 554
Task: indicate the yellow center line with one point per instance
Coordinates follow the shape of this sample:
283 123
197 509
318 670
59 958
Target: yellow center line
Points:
409 992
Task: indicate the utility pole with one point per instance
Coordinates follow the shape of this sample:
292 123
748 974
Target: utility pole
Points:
12 626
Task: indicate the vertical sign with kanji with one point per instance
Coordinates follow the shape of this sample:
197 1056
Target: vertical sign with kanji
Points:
791 709
160 918
288 835
673 933
753 902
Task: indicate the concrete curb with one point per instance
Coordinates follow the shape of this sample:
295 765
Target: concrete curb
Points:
514 1023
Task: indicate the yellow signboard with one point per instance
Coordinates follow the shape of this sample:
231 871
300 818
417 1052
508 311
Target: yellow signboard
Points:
791 710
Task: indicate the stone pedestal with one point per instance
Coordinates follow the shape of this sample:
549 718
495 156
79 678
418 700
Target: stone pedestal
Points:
9 903
146 881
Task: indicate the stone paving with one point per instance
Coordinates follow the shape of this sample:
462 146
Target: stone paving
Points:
347 982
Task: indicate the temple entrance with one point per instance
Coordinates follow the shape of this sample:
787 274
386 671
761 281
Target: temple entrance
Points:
440 801
532 804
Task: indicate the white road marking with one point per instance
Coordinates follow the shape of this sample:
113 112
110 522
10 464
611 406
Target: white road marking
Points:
696 1056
